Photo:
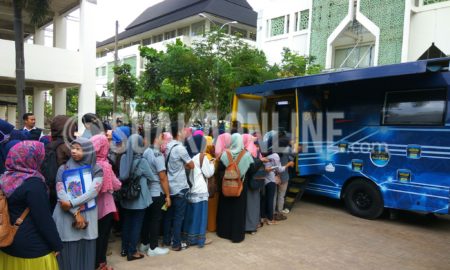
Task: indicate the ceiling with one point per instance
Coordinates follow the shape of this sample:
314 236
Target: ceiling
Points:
7 16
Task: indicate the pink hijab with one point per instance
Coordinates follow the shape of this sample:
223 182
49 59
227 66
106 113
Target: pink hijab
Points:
199 132
101 146
223 142
249 144
23 161
167 137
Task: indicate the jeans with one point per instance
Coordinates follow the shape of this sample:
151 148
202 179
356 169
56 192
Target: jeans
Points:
270 195
152 222
281 193
173 220
131 228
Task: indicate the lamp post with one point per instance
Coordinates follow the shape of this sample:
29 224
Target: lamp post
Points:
215 79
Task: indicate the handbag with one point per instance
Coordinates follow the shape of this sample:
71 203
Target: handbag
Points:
131 188
211 181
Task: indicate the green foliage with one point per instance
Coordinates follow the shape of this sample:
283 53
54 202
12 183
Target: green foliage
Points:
72 101
293 64
103 106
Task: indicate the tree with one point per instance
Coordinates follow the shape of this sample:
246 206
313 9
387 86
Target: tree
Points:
293 64
126 85
38 10
103 106
72 101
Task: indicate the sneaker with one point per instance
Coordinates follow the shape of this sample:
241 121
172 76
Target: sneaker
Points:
143 248
285 211
208 241
158 251
279 216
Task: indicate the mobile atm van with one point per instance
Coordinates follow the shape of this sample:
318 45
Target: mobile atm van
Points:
376 137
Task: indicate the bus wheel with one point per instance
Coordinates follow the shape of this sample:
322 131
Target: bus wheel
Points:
363 199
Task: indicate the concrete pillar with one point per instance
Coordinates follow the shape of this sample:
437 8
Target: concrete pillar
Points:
39 36
3 112
59 101
38 107
12 115
60 32
86 94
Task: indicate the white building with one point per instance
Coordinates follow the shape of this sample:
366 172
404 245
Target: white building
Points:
355 33
49 67
167 21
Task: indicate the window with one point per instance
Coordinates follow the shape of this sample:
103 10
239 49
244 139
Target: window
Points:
147 41
103 71
198 29
302 20
252 36
416 107
169 35
97 72
277 26
158 38
351 57
239 32
183 31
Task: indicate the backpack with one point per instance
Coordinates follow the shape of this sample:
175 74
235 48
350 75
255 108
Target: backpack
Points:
8 231
232 184
49 169
131 188
210 182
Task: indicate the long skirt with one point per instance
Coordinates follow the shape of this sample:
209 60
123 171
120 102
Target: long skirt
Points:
231 217
77 255
252 217
47 262
195 222
212 212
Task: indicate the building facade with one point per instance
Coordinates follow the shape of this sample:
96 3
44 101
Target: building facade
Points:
355 33
167 21
49 67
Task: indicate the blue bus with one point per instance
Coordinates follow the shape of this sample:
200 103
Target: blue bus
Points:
376 137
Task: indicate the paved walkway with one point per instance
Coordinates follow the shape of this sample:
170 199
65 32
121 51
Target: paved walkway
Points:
319 234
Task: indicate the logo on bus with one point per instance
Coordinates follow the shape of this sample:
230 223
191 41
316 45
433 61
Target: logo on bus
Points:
379 155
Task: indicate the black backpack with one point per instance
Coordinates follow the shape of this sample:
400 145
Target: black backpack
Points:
49 169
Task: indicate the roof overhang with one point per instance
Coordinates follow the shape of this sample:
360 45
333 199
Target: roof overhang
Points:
354 75
60 7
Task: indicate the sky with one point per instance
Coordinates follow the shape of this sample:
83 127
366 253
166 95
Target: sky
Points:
125 11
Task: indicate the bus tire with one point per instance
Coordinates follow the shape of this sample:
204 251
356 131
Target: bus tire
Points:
363 199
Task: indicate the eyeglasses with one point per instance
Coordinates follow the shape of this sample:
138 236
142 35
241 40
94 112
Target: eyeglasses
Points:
3 137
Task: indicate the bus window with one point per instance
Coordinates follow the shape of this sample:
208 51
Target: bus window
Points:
417 107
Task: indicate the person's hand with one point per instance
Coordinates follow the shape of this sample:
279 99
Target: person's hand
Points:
56 253
290 164
80 223
265 160
168 201
65 205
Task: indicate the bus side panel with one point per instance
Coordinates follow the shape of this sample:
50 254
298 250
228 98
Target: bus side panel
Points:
410 165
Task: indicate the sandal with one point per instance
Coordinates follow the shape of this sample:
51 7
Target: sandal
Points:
133 257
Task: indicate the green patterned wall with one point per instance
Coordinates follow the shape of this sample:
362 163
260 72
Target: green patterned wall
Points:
388 15
326 16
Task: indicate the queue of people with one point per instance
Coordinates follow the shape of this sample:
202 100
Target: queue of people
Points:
171 185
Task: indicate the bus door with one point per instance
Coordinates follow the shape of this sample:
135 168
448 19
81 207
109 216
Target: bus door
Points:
247 110
282 111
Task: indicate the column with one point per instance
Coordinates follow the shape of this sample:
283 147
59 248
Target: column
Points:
3 112
60 32
39 36
12 115
86 94
38 107
59 101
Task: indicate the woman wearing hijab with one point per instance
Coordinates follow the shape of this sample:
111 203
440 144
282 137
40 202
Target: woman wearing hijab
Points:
62 130
222 143
36 243
196 216
231 212
5 131
132 162
105 200
76 223
252 220
213 198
